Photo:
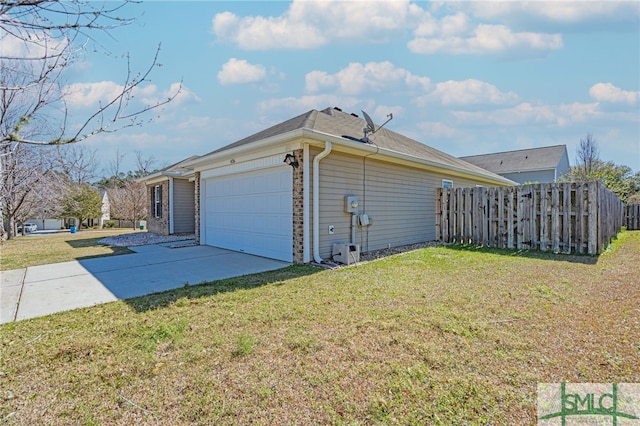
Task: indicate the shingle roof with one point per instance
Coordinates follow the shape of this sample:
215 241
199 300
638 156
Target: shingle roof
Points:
522 160
335 122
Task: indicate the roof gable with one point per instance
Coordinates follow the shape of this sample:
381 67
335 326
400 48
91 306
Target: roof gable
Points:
544 158
336 122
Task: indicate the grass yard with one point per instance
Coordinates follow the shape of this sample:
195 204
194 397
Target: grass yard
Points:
33 250
444 335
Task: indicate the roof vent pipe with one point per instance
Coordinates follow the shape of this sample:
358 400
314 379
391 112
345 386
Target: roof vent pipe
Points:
316 200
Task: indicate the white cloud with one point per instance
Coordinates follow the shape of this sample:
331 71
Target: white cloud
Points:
311 24
239 71
526 113
31 45
438 130
607 92
87 95
485 39
90 94
182 95
359 78
565 12
467 92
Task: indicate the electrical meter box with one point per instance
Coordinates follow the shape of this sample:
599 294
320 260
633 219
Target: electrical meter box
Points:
350 204
346 254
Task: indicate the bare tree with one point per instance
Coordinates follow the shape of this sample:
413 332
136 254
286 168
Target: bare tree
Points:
587 156
129 201
25 170
144 164
78 162
40 39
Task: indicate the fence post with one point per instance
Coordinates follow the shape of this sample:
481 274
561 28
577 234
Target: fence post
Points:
578 215
511 210
592 245
460 218
445 216
566 216
468 206
476 205
555 218
544 198
500 229
485 221
533 216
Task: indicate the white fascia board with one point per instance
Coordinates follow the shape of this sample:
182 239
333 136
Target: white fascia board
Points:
297 137
164 175
265 147
153 179
346 145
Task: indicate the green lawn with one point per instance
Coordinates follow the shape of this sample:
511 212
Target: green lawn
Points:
444 335
33 250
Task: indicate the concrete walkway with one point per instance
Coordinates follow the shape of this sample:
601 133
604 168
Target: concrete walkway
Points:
42 290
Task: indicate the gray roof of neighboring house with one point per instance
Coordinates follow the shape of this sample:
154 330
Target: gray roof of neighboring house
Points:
176 170
335 122
178 166
544 158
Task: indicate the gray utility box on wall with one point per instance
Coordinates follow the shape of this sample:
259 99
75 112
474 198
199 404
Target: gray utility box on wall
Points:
346 253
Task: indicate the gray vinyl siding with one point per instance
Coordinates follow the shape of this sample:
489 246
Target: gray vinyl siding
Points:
399 200
540 176
563 166
183 206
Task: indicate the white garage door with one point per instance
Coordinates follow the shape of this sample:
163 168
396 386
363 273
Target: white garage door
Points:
251 212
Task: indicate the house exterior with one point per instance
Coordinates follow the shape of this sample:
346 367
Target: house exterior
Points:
540 165
296 189
47 223
171 193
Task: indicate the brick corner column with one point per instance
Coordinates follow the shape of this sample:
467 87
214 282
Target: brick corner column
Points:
298 208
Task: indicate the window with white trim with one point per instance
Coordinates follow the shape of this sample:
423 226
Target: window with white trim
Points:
156 201
447 183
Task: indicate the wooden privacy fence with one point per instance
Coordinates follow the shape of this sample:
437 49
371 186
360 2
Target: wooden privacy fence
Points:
580 217
632 217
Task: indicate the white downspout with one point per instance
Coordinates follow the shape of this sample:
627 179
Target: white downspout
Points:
306 211
171 224
316 200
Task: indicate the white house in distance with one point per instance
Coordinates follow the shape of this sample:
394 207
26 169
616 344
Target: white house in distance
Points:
540 165
46 223
294 190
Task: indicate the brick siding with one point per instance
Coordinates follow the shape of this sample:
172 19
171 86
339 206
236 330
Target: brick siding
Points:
298 209
159 225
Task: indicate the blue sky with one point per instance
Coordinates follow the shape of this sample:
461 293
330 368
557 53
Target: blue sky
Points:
466 78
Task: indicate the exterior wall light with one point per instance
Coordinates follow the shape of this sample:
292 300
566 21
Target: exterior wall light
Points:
290 159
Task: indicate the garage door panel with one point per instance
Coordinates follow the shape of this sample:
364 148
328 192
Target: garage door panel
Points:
251 212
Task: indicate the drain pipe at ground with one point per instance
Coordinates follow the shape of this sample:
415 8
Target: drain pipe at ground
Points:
316 200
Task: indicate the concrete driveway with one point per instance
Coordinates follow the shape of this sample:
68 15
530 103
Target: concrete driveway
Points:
42 290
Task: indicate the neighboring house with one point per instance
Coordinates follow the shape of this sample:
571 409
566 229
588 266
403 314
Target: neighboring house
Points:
294 190
48 224
540 165
106 209
54 224
171 193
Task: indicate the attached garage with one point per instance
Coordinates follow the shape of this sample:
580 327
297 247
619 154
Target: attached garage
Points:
280 193
250 212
